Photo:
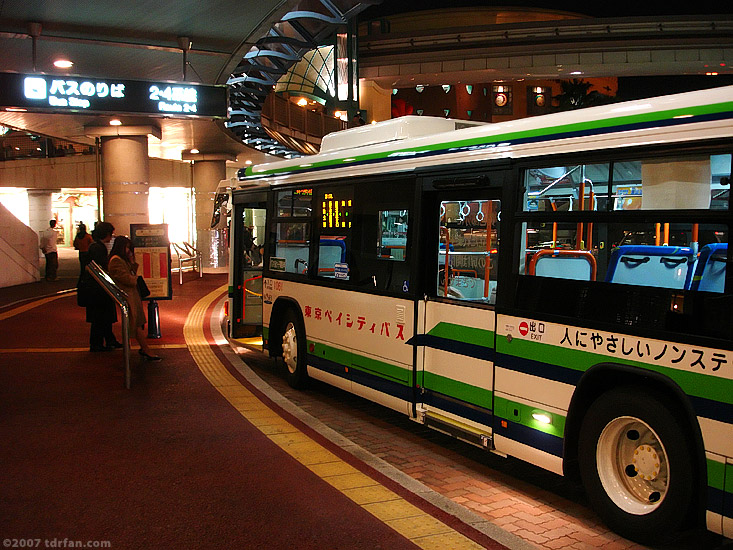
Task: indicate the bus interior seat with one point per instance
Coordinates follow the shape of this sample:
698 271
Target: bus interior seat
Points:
648 265
563 264
710 270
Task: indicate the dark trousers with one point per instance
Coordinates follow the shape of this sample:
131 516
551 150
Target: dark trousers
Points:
52 265
101 335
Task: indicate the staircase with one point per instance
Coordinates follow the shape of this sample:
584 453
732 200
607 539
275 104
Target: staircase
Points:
19 252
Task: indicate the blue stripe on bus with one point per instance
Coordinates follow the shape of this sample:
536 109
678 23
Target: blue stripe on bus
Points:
716 501
453 346
548 443
457 407
384 385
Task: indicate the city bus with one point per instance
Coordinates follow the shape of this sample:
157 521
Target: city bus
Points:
553 289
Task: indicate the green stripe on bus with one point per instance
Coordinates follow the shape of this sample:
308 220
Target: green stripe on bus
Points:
460 333
716 474
692 383
346 358
657 116
481 397
729 478
520 413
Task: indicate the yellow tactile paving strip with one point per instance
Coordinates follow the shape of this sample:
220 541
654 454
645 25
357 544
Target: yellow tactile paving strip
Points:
419 527
26 307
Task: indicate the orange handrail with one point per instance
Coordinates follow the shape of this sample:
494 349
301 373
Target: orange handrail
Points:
556 252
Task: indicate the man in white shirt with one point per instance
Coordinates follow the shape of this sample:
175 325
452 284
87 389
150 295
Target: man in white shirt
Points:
48 245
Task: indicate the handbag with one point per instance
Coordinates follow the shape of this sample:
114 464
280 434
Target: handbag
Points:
142 287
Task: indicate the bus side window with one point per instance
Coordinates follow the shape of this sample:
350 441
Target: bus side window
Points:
467 254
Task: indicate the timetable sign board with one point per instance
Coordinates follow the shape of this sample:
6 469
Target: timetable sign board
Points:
79 94
153 255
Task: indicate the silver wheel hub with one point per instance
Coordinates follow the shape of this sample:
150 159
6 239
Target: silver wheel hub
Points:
290 348
632 465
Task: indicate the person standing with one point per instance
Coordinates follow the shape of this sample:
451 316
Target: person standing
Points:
123 270
101 309
48 246
81 243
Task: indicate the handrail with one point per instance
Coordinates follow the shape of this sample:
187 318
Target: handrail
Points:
186 253
121 299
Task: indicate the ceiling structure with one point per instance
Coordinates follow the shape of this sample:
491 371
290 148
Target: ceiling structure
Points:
579 47
244 44
249 45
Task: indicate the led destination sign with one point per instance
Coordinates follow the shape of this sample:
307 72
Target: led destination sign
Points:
75 94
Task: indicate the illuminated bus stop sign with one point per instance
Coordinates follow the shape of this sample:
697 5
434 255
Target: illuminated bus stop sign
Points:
78 94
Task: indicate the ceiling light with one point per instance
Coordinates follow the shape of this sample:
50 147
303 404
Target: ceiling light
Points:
115 122
63 64
194 151
302 102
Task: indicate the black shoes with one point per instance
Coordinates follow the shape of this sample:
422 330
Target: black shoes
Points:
150 357
115 345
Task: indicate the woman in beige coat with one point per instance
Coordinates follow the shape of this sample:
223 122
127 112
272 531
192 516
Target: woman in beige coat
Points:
123 270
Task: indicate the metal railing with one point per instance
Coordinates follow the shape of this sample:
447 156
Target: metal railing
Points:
121 299
187 256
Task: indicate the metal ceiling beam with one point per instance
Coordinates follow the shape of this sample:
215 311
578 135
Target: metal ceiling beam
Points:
271 57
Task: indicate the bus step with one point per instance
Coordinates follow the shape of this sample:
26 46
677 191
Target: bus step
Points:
457 429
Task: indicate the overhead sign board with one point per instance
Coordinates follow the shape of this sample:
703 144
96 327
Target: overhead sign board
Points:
78 94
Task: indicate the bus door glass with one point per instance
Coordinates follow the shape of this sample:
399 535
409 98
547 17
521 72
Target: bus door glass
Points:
246 314
457 376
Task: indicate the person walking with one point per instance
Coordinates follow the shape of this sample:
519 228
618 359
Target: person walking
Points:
48 246
101 309
81 243
123 270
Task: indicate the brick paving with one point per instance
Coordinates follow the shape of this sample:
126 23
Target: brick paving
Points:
541 508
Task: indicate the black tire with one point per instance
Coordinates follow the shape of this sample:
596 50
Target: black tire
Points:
294 349
637 466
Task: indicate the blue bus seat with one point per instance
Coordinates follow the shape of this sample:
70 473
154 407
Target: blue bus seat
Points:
710 271
648 265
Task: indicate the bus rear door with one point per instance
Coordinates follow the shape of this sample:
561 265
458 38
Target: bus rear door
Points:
458 341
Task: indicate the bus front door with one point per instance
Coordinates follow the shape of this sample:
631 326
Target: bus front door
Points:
458 340
246 285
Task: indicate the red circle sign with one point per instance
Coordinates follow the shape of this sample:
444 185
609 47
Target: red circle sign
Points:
523 328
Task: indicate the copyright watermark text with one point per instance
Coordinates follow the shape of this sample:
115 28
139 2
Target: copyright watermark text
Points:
55 543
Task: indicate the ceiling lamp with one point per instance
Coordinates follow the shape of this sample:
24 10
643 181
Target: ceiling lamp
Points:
115 122
63 64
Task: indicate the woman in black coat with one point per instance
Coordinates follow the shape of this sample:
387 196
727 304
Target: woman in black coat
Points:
101 309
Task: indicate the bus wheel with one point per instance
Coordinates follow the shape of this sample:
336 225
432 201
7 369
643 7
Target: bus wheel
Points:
636 465
294 350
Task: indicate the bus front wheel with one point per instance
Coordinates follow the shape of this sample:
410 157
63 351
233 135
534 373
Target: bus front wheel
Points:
294 350
636 464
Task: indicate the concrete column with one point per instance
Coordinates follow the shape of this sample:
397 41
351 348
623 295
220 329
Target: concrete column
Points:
208 171
125 181
125 173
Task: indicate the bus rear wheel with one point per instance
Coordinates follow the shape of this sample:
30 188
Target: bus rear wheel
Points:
636 464
294 350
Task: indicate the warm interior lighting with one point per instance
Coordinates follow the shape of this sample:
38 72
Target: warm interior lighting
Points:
302 102
63 64
194 151
247 162
115 122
